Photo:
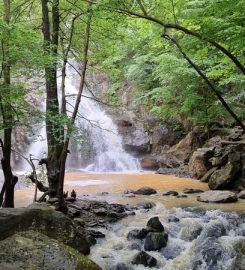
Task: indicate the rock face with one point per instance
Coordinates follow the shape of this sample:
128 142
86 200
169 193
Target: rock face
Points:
149 163
44 220
32 250
217 196
145 191
199 163
223 178
144 259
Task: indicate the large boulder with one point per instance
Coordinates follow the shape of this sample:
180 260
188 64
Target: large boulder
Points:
199 163
154 225
155 241
145 191
224 177
145 259
33 250
44 220
183 150
217 196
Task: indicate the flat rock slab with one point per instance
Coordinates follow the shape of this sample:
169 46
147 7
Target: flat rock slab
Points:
217 196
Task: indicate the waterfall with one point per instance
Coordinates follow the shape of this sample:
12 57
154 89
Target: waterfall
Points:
105 143
99 146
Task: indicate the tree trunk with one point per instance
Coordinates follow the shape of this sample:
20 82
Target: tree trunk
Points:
7 114
53 129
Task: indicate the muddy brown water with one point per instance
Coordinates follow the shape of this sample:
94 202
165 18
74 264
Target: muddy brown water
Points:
92 184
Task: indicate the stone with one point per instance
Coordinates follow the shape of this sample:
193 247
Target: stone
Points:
199 162
43 220
96 234
170 193
217 196
241 194
224 177
149 163
168 160
128 191
144 259
101 212
136 234
155 241
73 213
192 190
181 195
33 250
173 219
155 225
145 191
146 205
208 174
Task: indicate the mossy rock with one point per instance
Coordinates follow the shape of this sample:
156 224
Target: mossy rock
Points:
31 250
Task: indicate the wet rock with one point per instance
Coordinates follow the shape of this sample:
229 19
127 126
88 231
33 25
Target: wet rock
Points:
170 193
73 213
121 266
136 234
199 163
241 194
128 191
150 163
101 212
154 225
33 250
155 241
79 222
136 246
144 259
96 234
217 196
223 178
173 219
129 195
192 190
145 191
181 195
146 205
208 174
215 229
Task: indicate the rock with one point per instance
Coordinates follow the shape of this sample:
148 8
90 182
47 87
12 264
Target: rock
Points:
33 250
101 212
136 246
224 178
129 195
170 193
145 191
217 196
73 213
146 205
215 229
96 234
240 257
53 200
192 190
149 163
241 194
44 220
183 150
168 160
128 191
144 259
79 222
155 241
173 219
136 234
121 266
208 174
199 163
181 195
154 225
70 199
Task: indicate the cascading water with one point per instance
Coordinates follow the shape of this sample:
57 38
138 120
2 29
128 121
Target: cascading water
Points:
106 143
197 240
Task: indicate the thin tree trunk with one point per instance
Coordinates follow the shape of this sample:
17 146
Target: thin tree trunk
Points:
62 206
9 179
